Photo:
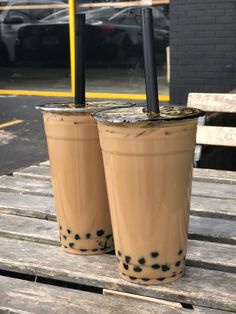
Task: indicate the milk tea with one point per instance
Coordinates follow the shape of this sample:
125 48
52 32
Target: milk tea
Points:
78 182
148 167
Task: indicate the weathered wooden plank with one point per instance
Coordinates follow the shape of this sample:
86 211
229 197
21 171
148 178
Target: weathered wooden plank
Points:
200 254
39 187
199 174
43 207
212 229
210 189
217 176
30 229
216 135
23 185
174 304
34 172
27 205
201 287
213 207
45 163
213 102
32 297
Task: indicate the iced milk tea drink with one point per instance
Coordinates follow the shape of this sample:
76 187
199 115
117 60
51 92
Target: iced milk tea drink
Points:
148 166
78 178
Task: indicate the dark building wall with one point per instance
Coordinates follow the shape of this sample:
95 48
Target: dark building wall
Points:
202 47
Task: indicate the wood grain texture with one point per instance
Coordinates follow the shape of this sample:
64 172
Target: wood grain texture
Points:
217 176
27 186
213 207
213 102
200 253
31 297
198 287
216 135
209 175
43 207
27 205
34 172
44 188
212 229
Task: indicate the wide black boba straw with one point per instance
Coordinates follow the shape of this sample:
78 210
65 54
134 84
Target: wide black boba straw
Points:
149 61
80 60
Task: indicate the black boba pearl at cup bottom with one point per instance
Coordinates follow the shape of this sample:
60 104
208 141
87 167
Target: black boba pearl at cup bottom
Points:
160 279
165 267
127 259
100 233
156 266
65 237
177 264
71 244
137 269
154 254
126 266
119 253
142 261
88 235
180 252
94 250
77 237
83 250
145 279
68 231
132 278
108 236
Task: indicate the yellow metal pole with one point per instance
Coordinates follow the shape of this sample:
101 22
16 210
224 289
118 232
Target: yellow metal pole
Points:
72 9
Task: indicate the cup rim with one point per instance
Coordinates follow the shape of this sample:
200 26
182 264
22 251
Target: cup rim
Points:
168 113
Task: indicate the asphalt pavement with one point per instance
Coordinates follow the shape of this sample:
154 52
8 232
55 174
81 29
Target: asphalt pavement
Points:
22 139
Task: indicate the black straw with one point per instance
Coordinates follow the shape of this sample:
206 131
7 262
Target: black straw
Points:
149 61
79 60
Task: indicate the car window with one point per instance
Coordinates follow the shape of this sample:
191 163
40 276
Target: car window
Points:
24 15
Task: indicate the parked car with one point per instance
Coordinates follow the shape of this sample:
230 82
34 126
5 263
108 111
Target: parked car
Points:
113 37
12 20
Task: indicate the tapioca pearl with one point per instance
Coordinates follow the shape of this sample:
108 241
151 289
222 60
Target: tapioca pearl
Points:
109 236
68 231
66 247
160 279
132 277
145 279
127 259
178 263
154 254
71 244
60 227
88 235
64 237
100 233
77 237
180 252
83 250
119 253
156 266
126 266
142 261
165 267
94 250
137 269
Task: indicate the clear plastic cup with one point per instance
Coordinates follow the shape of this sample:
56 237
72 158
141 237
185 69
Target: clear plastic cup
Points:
148 166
